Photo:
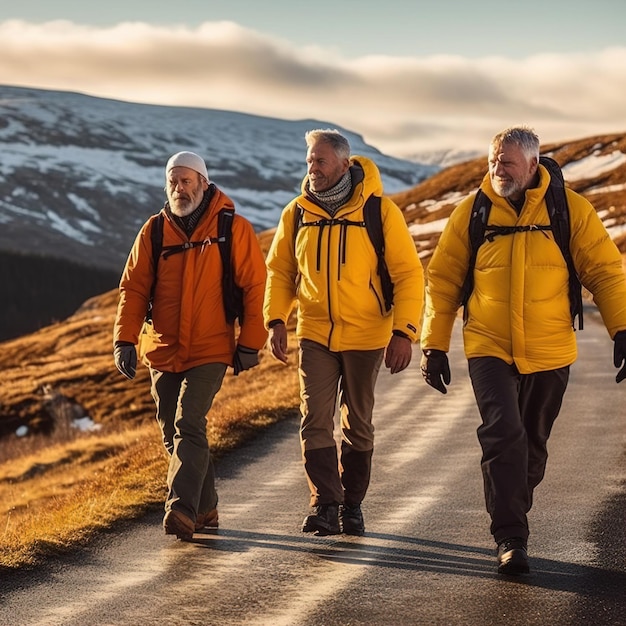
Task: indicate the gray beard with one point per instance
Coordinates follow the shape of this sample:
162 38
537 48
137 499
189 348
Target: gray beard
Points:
183 208
505 190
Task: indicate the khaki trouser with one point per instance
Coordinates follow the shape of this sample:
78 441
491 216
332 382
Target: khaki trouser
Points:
518 412
328 379
182 402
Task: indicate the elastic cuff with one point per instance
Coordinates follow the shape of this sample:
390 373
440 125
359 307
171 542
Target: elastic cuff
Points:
246 350
275 322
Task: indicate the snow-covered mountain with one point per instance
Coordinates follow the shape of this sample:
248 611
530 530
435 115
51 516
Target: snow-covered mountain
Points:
79 175
444 158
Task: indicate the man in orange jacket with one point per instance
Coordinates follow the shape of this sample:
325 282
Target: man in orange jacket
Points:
188 340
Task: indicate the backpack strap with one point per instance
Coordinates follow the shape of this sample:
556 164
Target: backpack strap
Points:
188 245
492 231
372 222
322 223
558 212
479 217
156 240
232 294
374 225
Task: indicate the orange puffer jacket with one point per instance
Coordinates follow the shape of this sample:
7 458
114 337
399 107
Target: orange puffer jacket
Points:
190 327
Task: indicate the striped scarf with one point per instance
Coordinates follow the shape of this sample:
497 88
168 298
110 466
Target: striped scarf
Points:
335 197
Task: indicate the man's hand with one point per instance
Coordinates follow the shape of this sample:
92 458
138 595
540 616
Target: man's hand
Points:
436 369
619 354
398 354
125 356
244 359
278 342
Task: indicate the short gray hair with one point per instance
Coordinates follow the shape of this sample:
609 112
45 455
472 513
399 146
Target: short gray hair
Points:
523 136
338 142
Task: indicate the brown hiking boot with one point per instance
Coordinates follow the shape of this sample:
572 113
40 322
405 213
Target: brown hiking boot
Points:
177 523
207 520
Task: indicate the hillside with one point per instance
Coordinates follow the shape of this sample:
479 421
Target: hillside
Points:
80 174
70 364
65 372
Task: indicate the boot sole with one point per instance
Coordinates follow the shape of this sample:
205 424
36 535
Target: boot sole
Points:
320 531
176 523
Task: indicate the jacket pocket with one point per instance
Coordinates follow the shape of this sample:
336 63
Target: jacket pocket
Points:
378 297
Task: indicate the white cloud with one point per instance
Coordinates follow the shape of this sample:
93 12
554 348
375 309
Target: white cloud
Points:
402 105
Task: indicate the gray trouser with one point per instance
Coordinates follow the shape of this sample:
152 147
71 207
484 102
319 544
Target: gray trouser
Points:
182 402
328 378
518 412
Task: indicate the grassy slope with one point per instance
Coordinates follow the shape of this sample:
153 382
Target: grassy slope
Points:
59 488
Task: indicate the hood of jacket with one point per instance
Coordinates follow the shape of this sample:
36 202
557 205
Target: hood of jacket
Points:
328 265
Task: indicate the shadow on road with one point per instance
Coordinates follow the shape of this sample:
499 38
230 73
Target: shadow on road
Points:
383 550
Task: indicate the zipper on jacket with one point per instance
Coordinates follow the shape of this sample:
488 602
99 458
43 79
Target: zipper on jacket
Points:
328 286
378 299
319 246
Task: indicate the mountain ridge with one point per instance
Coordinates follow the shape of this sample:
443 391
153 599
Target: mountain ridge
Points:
81 174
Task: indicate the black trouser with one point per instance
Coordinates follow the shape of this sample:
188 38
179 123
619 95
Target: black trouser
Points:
517 411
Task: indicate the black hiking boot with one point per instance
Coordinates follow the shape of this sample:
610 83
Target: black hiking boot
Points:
351 520
324 521
512 557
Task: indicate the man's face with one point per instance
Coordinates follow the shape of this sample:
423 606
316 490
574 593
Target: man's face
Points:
510 171
185 189
324 167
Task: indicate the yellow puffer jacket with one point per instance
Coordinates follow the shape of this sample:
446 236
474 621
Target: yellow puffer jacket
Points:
331 272
519 308
190 327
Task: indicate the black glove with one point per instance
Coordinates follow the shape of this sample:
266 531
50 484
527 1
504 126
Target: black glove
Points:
436 369
619 354
125 356
244 359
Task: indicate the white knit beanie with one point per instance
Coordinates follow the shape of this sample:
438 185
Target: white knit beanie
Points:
190 160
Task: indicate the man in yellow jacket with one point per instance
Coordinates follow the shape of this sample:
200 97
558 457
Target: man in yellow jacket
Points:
189 341
518 334
322 259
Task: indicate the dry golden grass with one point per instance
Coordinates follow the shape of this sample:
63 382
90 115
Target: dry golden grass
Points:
58 489
56 499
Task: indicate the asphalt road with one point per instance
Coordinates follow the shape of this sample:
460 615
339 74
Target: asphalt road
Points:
427 557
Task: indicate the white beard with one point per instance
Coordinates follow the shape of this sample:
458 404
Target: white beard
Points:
182 208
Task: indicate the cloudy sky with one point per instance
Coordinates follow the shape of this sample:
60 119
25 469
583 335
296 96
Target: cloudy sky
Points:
409 76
